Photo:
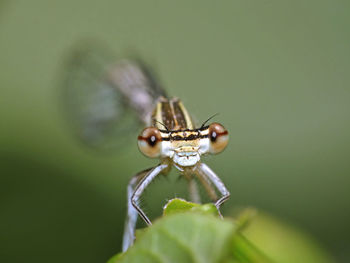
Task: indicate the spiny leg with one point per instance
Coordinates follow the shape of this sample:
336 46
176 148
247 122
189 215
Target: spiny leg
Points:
208 186
204 171
193 191
131 217
142 186
192 186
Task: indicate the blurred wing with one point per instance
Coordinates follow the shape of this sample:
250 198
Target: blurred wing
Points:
106 100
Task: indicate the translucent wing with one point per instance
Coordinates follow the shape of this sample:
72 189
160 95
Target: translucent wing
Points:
106 99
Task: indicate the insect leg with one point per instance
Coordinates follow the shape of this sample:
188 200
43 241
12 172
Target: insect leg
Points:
204 171
131 217
208 186
193 191
142 186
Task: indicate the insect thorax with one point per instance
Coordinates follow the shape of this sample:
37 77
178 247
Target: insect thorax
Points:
171 114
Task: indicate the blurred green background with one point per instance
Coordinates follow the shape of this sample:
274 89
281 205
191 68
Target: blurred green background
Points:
276 71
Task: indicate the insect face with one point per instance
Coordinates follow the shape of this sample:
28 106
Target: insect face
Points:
184 147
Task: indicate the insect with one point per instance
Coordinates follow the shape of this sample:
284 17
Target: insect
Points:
98 94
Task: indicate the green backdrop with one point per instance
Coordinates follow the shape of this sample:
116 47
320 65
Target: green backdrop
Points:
276 71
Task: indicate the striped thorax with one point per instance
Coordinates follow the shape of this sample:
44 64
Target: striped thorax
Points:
173 136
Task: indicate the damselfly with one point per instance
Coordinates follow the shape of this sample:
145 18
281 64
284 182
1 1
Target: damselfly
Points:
98 94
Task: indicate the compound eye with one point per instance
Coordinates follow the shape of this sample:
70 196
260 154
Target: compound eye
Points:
149 142
218 136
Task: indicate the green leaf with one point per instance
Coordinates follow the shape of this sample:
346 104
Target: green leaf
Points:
182 237
283 242
191 232
245 252
178 205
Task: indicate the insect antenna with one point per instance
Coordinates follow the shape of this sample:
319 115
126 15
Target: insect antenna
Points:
204 123
166 128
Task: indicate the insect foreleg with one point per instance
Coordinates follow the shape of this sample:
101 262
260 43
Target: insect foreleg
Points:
142 186
204 171
131 217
